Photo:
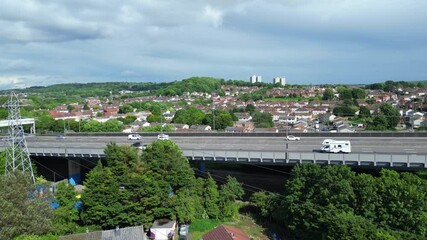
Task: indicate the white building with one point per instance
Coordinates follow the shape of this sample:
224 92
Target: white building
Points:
280 80
255 79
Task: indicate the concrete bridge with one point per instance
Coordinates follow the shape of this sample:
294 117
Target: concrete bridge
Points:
369 160
80 154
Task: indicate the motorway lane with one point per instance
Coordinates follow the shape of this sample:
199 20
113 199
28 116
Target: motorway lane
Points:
307 144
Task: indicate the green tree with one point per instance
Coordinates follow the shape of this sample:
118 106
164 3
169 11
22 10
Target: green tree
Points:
328 94
262 119
211 198
23 211
45 123
91 126
344 111
358 93
230 192
250 108
379 123
345 93
392 115
126 108
346 225
112 125
190 116
364 112
223 120
66 215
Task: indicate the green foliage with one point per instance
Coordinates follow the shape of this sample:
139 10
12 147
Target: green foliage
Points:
345 93
254 96
35 237
2 162
190 116
250 108
346 225
390 86
335 203
193 84
328 94
211 198
66 215
392 115
379 123
127 120
126 108
158 128
23 212
222 119
344 111
358 93
262 119
364 112
230 192
159 183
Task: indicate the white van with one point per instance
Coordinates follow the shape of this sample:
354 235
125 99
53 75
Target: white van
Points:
337 147
327 141
134 137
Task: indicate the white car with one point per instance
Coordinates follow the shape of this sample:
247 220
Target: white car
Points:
134 137
292 138
163 137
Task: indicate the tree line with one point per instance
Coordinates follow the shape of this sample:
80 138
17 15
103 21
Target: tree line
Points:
127 189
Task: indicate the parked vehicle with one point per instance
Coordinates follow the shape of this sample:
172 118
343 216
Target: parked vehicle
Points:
337 147
183 232
134 137
163 136
292 138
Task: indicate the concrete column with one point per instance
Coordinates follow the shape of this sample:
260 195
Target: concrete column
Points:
202 168
74 173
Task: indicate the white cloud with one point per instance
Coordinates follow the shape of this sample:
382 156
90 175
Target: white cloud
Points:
151 40
214 16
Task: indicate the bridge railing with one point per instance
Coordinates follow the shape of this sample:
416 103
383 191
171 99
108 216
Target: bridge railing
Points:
290 158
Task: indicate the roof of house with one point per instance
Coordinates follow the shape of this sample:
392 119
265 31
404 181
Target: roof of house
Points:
223 232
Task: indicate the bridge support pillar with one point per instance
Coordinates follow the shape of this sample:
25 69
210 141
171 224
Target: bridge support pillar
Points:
74 173
202 168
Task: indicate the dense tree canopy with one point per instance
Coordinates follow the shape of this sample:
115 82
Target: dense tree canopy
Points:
190 116
335 203
23 211
328 94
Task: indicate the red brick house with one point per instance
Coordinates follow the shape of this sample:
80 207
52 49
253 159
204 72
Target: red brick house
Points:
223 232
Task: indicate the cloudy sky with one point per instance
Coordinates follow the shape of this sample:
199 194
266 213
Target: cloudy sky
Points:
45 42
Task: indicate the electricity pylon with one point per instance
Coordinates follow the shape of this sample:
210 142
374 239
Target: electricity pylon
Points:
17 155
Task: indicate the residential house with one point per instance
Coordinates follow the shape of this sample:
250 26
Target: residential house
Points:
128 233
180 126
110 110
244 116
247 126
201 127
266 130
224 232
234 129
162 229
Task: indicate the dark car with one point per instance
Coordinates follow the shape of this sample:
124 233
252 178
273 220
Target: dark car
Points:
139 145
60 137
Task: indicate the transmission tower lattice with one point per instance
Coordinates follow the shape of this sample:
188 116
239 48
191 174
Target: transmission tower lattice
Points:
17 155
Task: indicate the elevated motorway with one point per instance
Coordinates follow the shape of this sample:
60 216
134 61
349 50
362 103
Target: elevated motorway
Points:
80 153
386 145
402 152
